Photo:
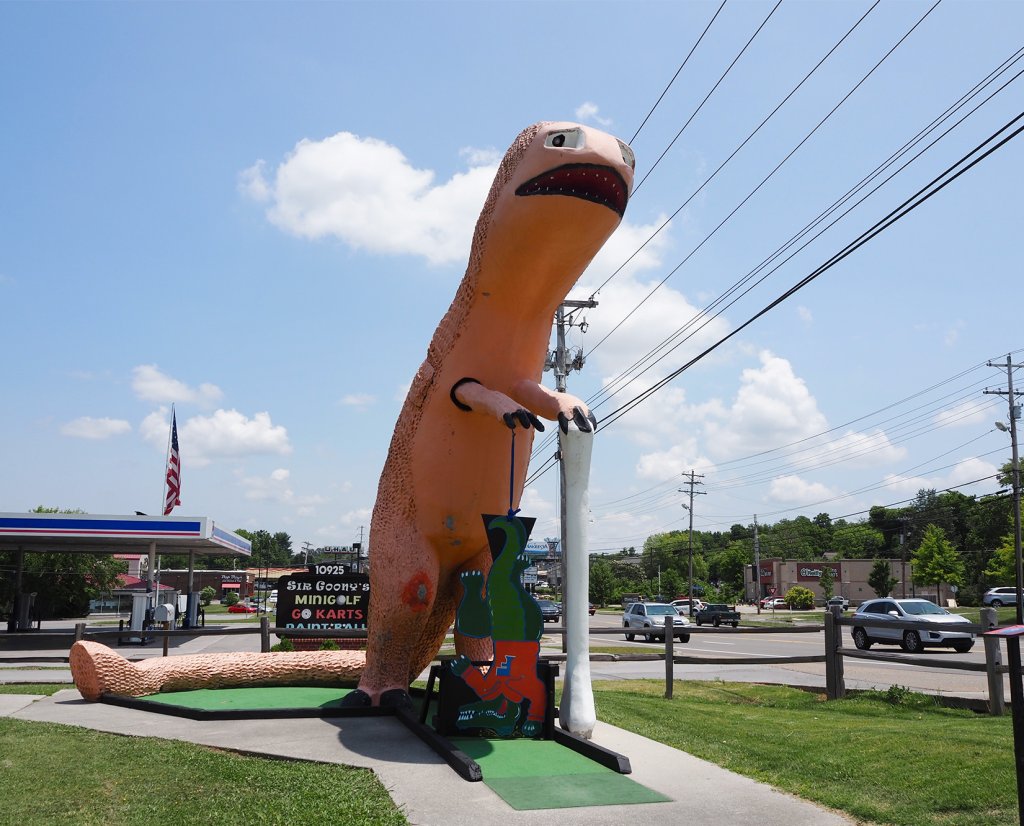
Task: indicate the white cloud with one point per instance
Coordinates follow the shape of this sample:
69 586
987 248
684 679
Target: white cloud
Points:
87 427
794 490
804 314
360 400
772 407
588 111
676 460
274 488
151 384
966 413
859 450
223 434
367 193
252 183
952 335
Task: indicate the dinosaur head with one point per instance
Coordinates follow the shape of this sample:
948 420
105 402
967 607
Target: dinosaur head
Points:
573 169
560 192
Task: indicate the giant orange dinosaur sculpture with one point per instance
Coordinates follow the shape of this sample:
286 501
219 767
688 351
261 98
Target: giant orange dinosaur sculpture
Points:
559 193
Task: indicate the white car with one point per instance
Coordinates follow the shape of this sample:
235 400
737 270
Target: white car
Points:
911 610
648 619
683 605
997 597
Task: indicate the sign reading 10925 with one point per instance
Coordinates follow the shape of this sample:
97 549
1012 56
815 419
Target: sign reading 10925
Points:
323 601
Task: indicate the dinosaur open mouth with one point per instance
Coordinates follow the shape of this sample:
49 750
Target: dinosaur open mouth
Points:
591 182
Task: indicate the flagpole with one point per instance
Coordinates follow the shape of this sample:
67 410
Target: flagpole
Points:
167 453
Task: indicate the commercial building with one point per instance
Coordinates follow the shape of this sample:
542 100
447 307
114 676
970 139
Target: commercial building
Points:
850 576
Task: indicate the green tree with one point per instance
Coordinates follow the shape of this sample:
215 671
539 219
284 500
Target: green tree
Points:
206 595
827 583
1001 567
602 582
880 578
63 583
936 561
857 541
230 598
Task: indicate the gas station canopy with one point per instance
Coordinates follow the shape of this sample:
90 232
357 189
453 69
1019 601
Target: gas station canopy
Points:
92 533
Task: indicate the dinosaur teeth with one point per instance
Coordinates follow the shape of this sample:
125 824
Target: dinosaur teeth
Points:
589 182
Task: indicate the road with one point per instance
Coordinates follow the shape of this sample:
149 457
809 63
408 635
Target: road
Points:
709 643
718 643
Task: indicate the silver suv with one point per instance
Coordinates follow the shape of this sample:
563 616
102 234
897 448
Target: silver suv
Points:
998 597
911 640
648 619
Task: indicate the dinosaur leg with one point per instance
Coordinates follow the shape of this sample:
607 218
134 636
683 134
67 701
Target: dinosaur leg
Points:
401 604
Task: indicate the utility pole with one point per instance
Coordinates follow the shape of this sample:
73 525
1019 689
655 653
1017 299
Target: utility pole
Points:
306 548
757 568
1011 396
561 366
691 483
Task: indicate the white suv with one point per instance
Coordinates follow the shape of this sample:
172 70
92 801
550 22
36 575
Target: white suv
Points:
997 597
648 619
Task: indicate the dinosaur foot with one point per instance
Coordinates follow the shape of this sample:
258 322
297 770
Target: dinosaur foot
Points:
396 698
357 698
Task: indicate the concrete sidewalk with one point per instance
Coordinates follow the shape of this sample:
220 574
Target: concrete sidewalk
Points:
432 794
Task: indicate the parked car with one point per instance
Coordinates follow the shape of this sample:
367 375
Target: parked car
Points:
550 611
592 608
775 603
908 639
842 602
648 619
718 613
683 605
998 597
241 608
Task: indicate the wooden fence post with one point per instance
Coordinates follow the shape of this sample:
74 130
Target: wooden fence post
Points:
993 661
835 684
669 656
79 631
264 634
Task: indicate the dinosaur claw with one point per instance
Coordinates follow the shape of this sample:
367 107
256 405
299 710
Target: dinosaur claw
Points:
510 421
538 425
582 422
563 422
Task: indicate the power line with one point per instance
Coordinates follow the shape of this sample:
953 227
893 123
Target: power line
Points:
610 386
757 188
932 188
707 97
681 67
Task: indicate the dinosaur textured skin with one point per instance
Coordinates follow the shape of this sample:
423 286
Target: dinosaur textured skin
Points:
559 193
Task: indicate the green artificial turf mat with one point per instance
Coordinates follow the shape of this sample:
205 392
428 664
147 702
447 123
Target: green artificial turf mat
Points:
247 699
542 774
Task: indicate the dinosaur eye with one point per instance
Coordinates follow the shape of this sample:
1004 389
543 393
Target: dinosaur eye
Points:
627 155
567 139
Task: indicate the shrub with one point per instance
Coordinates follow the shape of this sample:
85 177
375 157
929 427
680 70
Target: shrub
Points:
799 597
329 645
230 599
206 595
285 645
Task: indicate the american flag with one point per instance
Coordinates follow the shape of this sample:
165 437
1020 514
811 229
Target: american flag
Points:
173 470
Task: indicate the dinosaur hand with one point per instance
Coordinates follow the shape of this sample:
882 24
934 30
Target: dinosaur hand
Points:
585 421
523 417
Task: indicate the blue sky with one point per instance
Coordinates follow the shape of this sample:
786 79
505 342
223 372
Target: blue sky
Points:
259 213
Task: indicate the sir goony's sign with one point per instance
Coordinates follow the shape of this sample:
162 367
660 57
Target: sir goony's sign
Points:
322 602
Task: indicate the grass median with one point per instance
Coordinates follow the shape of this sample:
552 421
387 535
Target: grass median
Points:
890 757
107 779
882 757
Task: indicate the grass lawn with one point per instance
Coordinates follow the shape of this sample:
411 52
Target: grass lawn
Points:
33 688
108 779
883 757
